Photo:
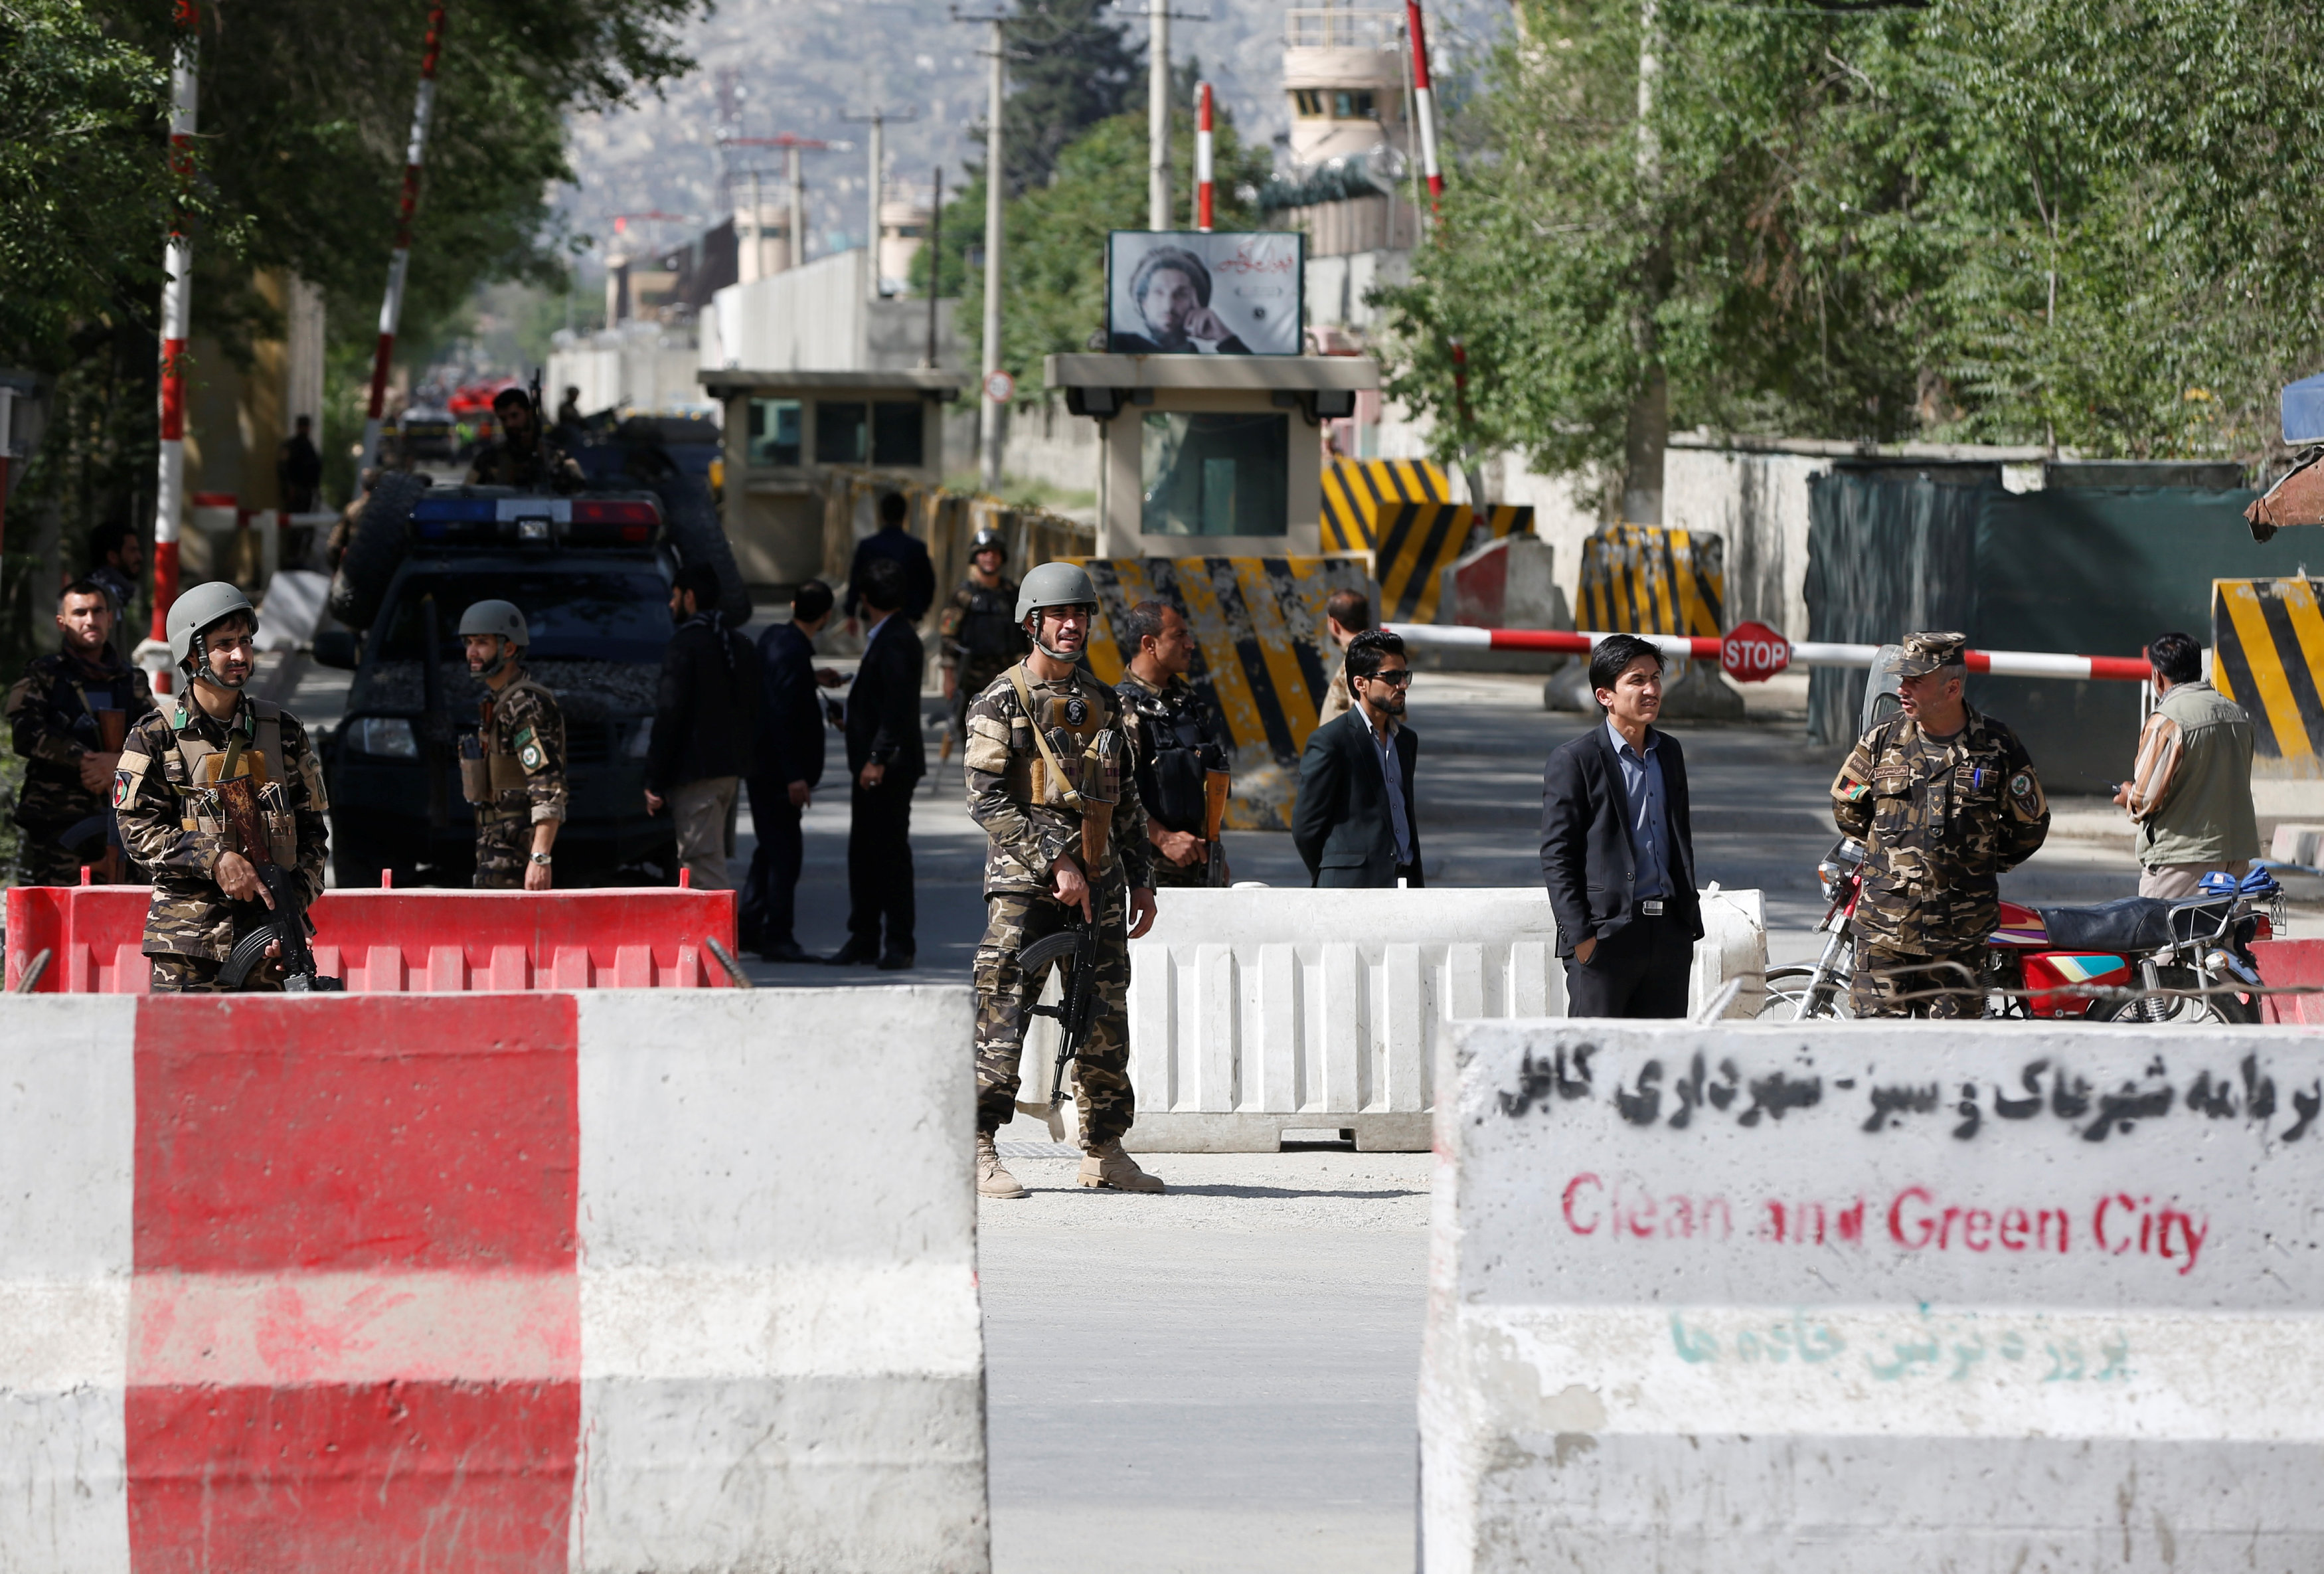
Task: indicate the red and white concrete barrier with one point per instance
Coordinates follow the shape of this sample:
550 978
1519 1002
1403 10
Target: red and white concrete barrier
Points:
546 1282
1750 651
1898 1296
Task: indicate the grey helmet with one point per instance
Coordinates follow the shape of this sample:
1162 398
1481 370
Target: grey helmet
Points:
500 617
986 540
197 610
1054 585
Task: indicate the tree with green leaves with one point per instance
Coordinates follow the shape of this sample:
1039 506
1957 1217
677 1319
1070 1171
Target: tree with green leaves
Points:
1071 65
2066 223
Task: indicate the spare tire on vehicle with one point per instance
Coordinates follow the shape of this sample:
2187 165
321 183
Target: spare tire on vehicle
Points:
381 535
690 519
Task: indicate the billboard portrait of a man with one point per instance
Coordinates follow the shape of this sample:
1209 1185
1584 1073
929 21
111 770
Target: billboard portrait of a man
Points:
1171 291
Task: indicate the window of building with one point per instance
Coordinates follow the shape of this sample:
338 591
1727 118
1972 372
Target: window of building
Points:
1310 102
839 433
774 437
1216 475
1352 104
896 433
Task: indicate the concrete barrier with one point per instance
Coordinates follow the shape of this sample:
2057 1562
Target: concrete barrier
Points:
1246 1020
388 941
549 1281
1906 1297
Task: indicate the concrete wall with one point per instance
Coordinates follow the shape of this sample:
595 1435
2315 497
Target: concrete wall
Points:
1759 502
639 366
1902 1296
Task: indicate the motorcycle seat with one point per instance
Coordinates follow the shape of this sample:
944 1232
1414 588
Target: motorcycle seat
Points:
2132 925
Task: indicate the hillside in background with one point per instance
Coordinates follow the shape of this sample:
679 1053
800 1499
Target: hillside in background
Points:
766 67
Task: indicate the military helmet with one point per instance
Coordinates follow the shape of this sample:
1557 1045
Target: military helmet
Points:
198 609
986 540
1054 585
500 617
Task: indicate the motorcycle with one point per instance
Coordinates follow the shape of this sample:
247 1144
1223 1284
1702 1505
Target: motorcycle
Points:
2190 959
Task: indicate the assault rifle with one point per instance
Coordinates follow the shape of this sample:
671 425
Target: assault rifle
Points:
1215 784
284 924
1074 951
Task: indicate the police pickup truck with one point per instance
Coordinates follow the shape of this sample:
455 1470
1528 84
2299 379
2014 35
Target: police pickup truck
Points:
592 575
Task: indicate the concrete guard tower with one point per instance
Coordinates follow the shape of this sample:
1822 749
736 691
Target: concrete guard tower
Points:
1210 456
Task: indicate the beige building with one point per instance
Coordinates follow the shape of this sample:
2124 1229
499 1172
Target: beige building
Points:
1345 72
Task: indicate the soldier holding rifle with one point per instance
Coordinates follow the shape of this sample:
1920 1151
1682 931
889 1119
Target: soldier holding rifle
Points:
1045 780
1176 752
169 795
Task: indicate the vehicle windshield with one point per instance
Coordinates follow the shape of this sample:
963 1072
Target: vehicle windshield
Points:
607 614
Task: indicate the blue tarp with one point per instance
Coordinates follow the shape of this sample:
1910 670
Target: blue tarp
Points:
2303 410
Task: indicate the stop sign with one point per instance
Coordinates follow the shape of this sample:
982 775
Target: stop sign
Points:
1752 652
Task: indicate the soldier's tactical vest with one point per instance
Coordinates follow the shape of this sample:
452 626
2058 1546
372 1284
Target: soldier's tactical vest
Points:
260 754
988 628
1171 782
495 769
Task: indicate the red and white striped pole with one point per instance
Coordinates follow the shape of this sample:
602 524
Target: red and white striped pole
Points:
1424 103
390 310
177 307
1203 159
1776 654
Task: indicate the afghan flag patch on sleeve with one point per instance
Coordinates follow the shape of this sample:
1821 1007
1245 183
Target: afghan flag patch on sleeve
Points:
1853 790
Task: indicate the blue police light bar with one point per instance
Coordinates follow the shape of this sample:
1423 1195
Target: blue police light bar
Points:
2303 410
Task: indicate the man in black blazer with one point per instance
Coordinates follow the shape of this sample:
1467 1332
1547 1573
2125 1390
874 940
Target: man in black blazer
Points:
785 770
1618 847
1355 824
706 715
885 759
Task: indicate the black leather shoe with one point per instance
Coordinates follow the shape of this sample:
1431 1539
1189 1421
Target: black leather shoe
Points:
785 951
854 954
896 961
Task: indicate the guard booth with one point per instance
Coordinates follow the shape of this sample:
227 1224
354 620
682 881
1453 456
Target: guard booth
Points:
786 430
1215 455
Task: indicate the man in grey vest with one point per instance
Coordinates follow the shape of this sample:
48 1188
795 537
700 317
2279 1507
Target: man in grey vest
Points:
2190 789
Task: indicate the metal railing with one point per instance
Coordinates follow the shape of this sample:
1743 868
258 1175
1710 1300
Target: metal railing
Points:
1335 27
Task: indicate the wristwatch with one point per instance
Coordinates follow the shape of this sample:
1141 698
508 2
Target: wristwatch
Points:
541 859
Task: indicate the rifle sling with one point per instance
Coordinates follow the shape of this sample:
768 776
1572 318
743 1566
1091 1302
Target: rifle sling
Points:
1025 699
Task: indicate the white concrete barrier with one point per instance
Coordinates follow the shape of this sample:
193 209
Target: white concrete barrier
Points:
595 1283
1906 1297
1258 1011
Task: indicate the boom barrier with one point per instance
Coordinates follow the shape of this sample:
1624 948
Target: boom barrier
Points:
1750 653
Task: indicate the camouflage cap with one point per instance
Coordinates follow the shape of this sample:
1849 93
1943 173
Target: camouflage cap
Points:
1928 653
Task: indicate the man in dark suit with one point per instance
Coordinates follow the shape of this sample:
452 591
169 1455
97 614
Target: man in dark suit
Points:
1618 847
1355 825
705 712
785 770
886 759
893 542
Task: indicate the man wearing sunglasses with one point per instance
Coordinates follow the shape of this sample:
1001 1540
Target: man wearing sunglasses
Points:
1355 825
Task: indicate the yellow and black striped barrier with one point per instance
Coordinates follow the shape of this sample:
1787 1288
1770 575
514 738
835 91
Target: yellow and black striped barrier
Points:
1400 512
1650 578
2267 655
1259 651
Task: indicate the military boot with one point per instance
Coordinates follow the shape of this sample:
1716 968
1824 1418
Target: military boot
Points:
993 1178
1108 1165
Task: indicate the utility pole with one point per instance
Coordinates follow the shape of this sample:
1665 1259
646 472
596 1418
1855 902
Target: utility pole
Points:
1157 114
878 120
797 237
795 245
990 409
936 265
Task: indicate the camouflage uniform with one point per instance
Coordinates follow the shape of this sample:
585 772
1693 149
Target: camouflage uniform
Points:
1030 828
541 467
519 775
171 826
1176 723
1942 818
977 640
52 712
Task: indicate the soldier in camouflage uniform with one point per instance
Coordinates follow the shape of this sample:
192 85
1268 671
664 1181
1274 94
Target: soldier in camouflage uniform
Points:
522 456
513 766
1946 800
1175 743
206 894
977 637
61 713
1036 882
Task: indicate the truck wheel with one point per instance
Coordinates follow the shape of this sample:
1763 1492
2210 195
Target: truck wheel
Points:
691 520
381 535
